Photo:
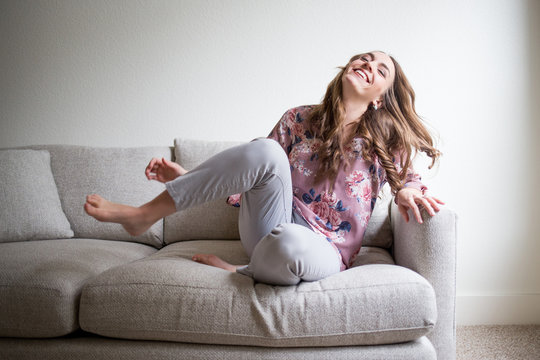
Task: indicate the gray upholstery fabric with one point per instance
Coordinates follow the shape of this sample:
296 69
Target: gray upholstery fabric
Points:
115 173
379 231
176 299
41 281
205 221
430 250
190 153
372 255
91 348
30 208
213 220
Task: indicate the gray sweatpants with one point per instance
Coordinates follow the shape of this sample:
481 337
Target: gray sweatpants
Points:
282 247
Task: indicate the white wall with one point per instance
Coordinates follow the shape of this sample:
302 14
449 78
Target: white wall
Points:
131 73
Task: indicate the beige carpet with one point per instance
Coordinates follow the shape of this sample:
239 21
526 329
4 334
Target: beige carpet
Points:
498 342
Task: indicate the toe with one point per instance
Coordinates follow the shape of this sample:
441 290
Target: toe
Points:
88 208
93 200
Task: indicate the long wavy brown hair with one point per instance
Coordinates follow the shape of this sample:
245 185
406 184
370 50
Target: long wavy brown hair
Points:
391 134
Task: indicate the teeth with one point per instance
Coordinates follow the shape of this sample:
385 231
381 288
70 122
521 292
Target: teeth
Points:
362 74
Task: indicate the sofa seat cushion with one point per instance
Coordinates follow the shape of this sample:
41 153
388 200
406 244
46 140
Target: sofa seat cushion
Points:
41 281
169 297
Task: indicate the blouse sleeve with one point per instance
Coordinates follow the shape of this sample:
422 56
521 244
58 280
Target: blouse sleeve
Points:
412 179
282 131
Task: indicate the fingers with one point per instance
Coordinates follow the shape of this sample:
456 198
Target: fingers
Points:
412 200
429 203
179 170
167 163
410 204
404 213
416 211
433 203
430 208
152 168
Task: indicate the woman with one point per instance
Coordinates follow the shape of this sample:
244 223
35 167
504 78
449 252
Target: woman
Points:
309 189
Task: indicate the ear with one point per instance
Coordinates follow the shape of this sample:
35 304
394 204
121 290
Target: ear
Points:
377 104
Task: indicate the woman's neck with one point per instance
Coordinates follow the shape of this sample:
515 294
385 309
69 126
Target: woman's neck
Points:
353 111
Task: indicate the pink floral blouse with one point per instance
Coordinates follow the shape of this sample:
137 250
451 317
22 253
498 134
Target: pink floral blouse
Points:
341 215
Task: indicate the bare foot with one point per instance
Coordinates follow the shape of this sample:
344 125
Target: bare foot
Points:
131 218
213 260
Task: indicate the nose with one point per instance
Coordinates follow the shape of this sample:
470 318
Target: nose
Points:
368 65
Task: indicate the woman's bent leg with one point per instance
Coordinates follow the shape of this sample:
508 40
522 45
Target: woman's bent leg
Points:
259 170
280 252
291 253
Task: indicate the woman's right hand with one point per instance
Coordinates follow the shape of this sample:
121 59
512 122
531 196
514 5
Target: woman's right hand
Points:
163 170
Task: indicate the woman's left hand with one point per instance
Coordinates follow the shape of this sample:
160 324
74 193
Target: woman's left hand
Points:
411 198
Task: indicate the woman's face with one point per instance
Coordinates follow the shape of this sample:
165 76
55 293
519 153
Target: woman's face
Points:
368 76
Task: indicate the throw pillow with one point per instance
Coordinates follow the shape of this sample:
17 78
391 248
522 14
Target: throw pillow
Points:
30 206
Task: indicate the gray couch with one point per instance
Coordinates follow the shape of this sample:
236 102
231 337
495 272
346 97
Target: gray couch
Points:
73 288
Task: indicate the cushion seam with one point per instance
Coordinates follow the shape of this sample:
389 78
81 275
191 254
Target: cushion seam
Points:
236 289
270 337
59 292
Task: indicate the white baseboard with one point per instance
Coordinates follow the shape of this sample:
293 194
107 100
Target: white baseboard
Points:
519 309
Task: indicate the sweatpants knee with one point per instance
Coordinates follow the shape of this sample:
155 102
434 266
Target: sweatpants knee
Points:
265 145
289 254
267 152
289 241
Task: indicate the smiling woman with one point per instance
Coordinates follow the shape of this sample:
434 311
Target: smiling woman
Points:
372 99
368 76
308 191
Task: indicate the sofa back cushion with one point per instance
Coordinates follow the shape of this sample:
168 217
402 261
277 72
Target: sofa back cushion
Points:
379 232
117 174
212 220
30 208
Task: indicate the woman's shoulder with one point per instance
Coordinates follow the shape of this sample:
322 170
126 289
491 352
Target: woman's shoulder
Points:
297 114
302 110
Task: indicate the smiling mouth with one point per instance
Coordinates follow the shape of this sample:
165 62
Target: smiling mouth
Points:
362 74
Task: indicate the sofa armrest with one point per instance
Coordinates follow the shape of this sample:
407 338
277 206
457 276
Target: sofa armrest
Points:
430 250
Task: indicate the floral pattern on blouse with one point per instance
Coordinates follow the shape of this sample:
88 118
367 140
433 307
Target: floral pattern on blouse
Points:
339 211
